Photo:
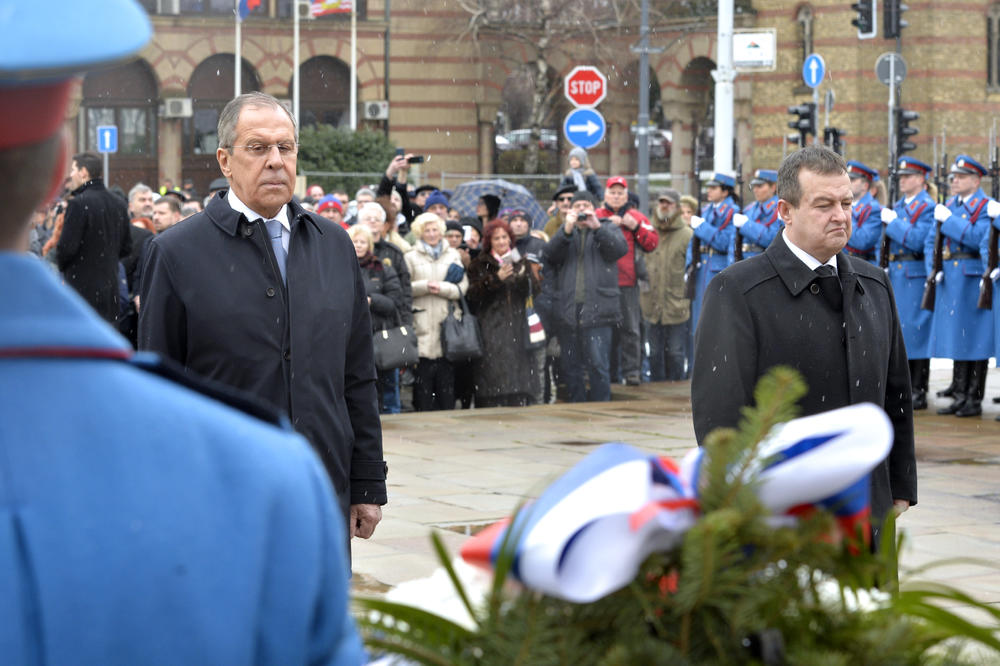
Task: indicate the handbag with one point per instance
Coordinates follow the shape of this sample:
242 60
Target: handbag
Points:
395 347
460 339
535 335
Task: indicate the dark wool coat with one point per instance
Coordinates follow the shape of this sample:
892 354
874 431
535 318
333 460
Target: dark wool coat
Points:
762 312
392 256
213 300
602 248
95 235
382 286
505 367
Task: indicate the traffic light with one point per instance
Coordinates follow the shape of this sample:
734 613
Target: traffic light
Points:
894 23
904 131
832 137
805 120
865 22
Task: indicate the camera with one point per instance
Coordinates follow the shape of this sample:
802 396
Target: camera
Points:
416 159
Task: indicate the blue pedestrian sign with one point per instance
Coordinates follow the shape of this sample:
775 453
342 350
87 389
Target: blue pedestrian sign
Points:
813 70
584 128
107 139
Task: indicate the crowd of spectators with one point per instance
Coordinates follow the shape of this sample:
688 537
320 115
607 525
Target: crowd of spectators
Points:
602 278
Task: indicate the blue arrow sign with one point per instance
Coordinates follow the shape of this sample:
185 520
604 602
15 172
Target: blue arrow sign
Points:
107 139
813 70
584 128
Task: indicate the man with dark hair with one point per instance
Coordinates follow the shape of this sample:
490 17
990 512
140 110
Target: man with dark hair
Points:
166 213
866 211
95 235
583 255
143 523
259 294
804 303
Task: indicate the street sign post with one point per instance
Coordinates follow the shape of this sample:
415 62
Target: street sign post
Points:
107 143
890 68
584 128
813 70
585 86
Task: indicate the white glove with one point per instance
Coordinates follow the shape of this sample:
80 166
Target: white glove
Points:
739 220
888 215
993 208
939 277
696 221
994 274
941 213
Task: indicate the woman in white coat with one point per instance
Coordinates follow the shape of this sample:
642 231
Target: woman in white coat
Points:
437 278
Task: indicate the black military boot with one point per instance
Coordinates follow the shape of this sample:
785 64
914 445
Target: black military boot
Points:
959 385
977 386
950 391
919 376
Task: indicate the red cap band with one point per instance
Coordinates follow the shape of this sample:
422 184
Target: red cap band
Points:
32 113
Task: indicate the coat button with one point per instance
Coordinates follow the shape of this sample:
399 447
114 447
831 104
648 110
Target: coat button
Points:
270 292
288 355
248 230
814 288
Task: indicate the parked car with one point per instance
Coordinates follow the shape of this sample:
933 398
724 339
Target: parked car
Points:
520 138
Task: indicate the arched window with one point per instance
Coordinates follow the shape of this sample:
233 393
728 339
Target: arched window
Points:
325 92
993 47
210 88
126 97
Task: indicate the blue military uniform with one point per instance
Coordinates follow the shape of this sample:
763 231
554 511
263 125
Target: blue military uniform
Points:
908 233
866 230
716 235
763 223
984 252
142 522
960 330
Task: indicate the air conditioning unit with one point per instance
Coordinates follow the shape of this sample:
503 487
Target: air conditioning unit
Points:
169 6
304 8
177 107
375 110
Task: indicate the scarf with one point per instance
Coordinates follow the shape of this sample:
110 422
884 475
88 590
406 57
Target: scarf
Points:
433 250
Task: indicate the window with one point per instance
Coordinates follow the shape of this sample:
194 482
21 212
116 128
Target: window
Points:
993 47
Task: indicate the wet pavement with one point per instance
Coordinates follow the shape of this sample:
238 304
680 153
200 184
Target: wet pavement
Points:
457 471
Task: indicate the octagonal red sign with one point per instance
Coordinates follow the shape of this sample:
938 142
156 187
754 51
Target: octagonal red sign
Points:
585 86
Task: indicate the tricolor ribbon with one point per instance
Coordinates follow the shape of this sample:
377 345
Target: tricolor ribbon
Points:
588 532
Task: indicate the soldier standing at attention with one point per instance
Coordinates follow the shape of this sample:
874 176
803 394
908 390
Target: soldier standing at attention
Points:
865 212
960 330
759 223
715 230
908 224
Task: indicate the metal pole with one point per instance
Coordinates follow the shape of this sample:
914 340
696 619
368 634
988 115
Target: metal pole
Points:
724 76
107 172
354 66
238 67
385 59
295 64
642 132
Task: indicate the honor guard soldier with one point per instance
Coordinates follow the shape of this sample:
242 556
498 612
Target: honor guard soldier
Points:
993 212
865 211
908 224
759 223
960 330
143 523
715 230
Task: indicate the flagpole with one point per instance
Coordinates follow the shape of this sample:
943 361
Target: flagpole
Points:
354 66
295 60
238 69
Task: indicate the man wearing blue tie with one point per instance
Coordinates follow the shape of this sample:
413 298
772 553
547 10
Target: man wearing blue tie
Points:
257 293
907 224
960 330
865 212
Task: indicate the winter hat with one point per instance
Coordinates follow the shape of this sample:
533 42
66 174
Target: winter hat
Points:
435 197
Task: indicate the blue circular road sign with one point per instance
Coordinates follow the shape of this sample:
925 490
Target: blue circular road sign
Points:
584 128
813 70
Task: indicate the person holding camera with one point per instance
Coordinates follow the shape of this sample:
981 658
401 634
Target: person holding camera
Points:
584 256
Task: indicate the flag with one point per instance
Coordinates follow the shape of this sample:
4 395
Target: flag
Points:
324 7
245 7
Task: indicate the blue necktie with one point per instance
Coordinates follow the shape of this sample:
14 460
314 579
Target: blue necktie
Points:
274 231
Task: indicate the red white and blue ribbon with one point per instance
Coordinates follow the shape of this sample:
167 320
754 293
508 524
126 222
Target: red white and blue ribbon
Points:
588 533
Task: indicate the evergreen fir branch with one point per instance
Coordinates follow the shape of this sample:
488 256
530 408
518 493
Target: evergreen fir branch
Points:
413 632
445 560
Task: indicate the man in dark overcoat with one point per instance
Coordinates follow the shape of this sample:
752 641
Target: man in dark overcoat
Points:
95 235
257 293
806 304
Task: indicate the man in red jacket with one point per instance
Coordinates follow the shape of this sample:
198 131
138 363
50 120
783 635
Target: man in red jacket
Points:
639 233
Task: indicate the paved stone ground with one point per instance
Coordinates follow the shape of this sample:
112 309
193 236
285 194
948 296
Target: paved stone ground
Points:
456 471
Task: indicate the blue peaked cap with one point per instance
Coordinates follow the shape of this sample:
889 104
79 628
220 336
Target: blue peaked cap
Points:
721 179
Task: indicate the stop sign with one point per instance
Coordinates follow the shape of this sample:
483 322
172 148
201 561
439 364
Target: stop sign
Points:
585 86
